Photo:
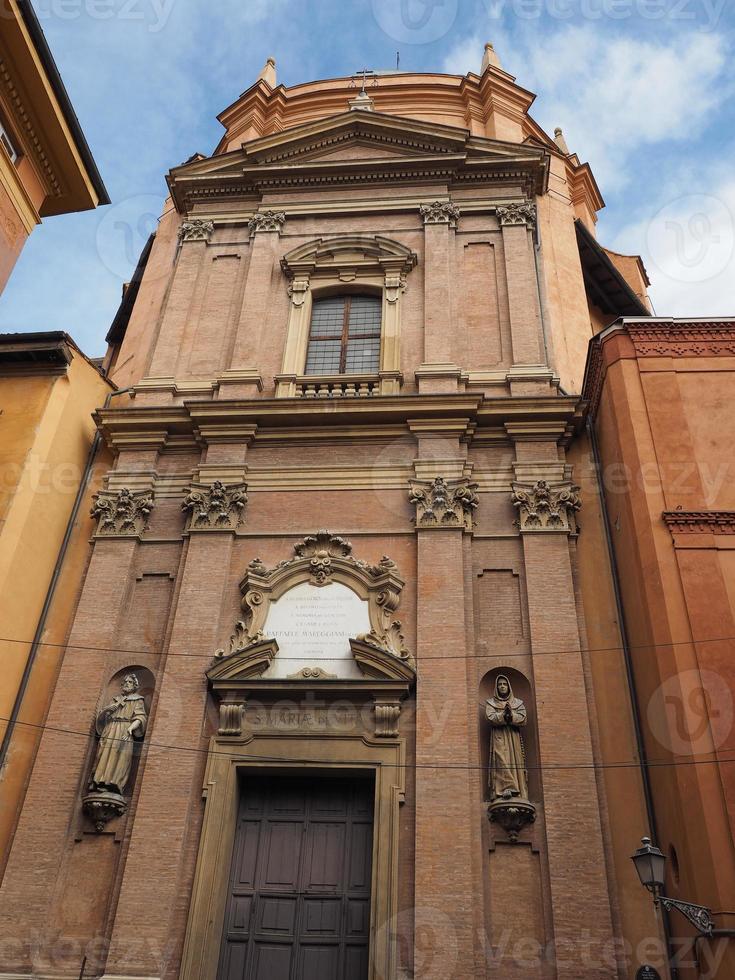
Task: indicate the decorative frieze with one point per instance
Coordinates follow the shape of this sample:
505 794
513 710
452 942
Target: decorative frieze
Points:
700 522
517 214
683 339
444 503
440 213
267 221
546 507
215 507
196 230
122 513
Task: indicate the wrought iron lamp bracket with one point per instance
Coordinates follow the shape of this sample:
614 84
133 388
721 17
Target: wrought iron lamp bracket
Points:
699 915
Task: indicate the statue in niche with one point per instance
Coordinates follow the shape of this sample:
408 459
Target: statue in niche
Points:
119 725
507 777
506 714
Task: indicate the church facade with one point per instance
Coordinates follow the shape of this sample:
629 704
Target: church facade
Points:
345 693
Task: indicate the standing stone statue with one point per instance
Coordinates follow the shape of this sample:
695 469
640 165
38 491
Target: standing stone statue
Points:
508 778
118 725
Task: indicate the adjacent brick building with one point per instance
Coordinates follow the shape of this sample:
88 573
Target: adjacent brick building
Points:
367 312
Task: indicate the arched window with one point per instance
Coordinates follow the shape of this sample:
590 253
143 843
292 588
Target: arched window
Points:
345 335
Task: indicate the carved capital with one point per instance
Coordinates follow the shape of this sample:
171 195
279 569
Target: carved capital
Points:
440 213
122 513
196 230
444 503
230 717
546 507
517 214
215 507
267 221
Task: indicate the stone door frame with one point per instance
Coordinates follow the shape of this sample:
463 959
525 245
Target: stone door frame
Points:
228 764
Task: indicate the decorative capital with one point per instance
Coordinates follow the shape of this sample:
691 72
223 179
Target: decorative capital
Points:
440 213
122 513
215 507
444 503
196 230
298 289
546 507
517 214
267 221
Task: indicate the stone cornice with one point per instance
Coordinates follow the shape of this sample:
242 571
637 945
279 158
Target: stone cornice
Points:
700 522
654 337
199 421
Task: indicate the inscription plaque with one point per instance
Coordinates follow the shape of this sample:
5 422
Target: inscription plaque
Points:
313 626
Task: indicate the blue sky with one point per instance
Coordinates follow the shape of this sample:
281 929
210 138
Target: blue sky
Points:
642 88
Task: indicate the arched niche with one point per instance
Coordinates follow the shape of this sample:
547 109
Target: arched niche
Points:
521 689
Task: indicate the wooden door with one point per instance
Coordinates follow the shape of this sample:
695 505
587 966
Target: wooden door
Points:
299 901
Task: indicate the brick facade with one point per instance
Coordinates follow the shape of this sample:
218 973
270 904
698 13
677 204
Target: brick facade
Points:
473 400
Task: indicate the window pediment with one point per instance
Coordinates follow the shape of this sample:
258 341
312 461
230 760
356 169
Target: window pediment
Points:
363 255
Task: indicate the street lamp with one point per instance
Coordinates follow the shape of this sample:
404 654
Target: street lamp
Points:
650 863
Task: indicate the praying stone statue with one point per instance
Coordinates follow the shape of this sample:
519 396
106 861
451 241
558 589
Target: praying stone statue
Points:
118 724
508 778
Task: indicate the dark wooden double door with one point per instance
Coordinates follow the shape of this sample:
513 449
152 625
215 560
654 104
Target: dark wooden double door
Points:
299 900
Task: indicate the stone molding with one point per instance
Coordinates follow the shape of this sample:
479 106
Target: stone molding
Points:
122 513
544 507
700 521
517 214
267 221
442 504
196 230
215 506
440 213
320 559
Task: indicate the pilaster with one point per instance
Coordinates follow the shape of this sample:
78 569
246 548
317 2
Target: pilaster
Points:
438 373
517 222
265 229
172 774
580 905
446 849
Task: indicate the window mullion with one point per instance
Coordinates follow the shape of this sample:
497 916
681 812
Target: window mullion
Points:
345 335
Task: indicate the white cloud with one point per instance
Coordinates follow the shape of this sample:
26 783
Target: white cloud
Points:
687 241
612 95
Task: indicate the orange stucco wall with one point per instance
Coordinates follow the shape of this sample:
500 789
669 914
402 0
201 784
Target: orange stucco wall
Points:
666 432
46 432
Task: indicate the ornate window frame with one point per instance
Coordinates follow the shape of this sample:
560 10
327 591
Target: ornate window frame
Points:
254 738
345 263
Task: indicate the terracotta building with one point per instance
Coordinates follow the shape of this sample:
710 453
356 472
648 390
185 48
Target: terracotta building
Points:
46 167
345 694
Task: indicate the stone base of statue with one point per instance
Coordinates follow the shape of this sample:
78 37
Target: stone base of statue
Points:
102 806
512 814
